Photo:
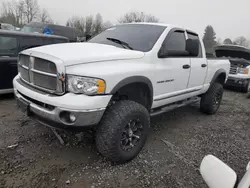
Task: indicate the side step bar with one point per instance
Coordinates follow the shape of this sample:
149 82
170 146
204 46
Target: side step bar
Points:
173 106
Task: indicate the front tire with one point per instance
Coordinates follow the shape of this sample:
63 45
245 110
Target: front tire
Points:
123 131
246 88
211 100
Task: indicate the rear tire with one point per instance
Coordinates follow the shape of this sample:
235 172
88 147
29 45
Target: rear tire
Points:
211 100
123 131
246 88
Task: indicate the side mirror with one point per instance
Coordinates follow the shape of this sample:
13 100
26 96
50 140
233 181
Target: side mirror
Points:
192 47
216 173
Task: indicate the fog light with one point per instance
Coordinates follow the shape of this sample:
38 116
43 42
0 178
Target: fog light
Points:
67 117
72 117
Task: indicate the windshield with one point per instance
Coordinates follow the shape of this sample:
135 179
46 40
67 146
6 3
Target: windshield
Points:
141 37
32 29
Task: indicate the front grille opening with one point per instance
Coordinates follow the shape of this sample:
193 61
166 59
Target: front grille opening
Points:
41 104
45 66
44 81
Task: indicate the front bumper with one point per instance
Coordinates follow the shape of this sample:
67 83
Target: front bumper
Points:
55 111
237 82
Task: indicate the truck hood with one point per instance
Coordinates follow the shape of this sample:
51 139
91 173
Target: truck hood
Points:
79 53
232 51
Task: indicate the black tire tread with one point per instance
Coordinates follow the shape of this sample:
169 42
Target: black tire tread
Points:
206 105
109 126
245 88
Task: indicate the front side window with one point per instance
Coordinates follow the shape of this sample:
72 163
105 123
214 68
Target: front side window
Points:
176 41
141 37
8 46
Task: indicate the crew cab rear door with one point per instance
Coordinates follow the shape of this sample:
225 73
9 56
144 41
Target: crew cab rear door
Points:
173 70
198 66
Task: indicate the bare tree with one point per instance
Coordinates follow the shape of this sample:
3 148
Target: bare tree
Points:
107 25
88 25
44 17
218 41
242 41
78 23
98 24
31 10
89 22
137 17
7 13
227 41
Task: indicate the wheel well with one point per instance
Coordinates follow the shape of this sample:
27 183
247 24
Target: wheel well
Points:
221 78
138 92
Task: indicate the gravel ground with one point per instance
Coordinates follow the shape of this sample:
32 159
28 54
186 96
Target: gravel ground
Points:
178 142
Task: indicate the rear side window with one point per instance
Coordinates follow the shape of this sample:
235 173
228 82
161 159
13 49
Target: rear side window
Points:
176 41
30 42
8 46
193 36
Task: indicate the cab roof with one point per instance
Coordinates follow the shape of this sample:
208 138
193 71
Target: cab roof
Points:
162 24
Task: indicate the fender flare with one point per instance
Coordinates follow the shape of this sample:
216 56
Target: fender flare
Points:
217 74
135 79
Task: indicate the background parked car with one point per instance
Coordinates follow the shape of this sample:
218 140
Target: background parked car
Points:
239 58
11 43
36 27
6 26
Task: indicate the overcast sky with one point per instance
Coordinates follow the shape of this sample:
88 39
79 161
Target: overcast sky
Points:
230 18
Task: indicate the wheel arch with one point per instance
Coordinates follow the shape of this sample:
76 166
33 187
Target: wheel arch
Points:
219 76
142 80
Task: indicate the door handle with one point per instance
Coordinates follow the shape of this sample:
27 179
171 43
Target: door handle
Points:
186 66
203 65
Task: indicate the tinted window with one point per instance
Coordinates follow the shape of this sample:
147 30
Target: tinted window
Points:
8 46
30 42
32 29
47 41
176 41
59 41
192 36
140 37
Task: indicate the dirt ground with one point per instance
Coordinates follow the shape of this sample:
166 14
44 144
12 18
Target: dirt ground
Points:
178 142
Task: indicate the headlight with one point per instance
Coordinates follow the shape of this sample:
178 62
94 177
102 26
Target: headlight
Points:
85 85
243 70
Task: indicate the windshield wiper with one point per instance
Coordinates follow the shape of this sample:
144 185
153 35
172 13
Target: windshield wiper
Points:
122 43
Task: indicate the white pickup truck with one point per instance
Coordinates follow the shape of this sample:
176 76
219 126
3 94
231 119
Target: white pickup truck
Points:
117 80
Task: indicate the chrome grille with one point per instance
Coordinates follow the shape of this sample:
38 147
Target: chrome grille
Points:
40 73
233 68
40 80
45 66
